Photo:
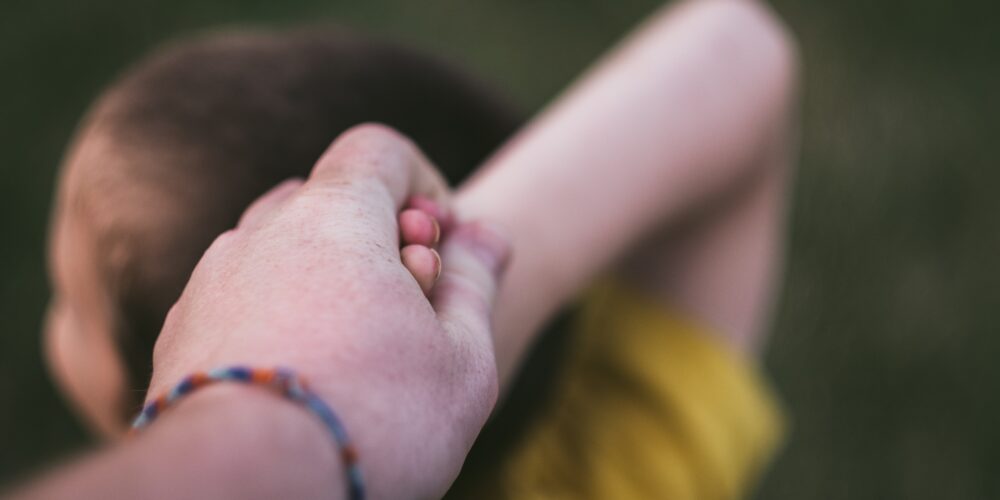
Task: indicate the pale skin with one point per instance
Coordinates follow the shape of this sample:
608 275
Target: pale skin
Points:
312 279
666 165
82 358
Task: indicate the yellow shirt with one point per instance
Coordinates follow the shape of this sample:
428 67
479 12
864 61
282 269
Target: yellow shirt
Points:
648 404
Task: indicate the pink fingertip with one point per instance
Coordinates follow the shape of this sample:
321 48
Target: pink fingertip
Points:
419 228
424 265
436 210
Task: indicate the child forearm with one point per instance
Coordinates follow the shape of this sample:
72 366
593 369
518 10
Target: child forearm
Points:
667 121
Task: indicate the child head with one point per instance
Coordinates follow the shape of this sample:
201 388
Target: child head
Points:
171 154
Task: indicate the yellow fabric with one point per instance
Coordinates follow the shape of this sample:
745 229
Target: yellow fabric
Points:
650 405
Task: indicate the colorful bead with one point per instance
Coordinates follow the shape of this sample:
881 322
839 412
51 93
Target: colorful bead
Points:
281 380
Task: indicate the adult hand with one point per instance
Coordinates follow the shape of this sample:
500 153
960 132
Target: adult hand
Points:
312 279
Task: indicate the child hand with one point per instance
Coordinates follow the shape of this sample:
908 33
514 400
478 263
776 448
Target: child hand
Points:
421 226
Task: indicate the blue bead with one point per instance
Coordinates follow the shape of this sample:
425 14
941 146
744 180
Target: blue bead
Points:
240 373
140 421
180 390
356 484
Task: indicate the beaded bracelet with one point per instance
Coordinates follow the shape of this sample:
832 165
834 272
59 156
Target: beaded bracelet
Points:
282 381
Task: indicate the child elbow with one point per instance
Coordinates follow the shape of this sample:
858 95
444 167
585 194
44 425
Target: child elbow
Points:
745 36
753 31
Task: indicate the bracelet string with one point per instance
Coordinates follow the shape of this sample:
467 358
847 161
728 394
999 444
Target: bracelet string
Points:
282 381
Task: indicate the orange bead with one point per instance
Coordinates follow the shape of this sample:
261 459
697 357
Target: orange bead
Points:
349 454
263 376
198 379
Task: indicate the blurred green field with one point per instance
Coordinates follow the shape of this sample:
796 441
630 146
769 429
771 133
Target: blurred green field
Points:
886 343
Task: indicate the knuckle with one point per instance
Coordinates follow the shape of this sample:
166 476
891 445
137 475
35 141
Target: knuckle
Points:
220 245
372 133
369 149
371 142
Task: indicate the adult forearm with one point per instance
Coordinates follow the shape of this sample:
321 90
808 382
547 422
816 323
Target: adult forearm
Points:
223 442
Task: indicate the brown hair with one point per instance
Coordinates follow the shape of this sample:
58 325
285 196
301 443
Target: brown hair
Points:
201 128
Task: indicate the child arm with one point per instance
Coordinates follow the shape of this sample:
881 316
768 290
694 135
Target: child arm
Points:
670 122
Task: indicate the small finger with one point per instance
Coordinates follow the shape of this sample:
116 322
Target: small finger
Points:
423 263
438 210
417 227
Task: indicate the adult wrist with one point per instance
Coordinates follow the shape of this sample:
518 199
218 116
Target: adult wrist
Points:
252 444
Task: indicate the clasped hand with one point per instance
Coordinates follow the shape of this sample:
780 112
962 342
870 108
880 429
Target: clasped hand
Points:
312 279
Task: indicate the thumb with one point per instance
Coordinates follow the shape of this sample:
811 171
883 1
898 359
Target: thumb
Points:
474 257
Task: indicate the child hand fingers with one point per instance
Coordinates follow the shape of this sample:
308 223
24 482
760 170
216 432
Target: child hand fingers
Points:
417 227
440 211
423 263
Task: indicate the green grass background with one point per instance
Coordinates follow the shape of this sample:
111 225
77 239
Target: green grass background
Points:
885 345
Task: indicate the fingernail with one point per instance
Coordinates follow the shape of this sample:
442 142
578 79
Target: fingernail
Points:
438 266
437 231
